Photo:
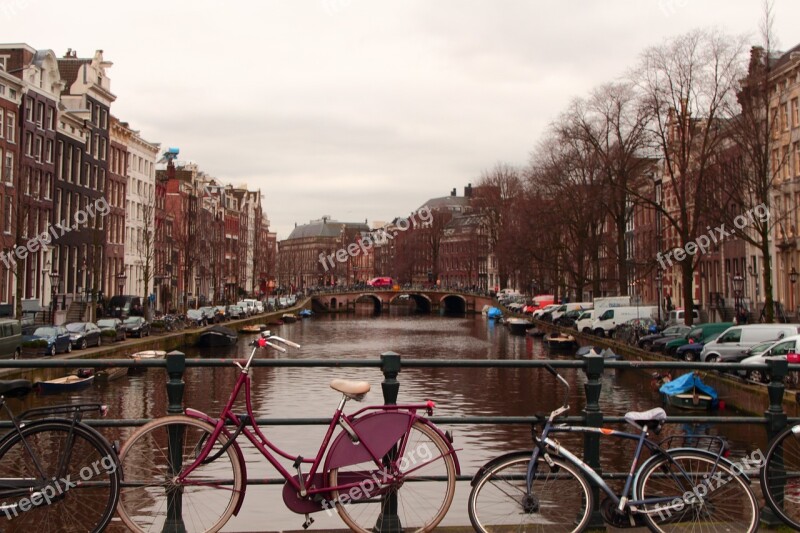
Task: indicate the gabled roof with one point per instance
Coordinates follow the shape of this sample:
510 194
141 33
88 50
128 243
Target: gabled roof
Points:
325 228
69 67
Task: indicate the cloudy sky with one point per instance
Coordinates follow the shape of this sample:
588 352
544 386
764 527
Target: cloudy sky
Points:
361 109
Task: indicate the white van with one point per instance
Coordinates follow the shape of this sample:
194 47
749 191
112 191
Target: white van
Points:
584 322
251 306
607 322
677 316
734 342
566 308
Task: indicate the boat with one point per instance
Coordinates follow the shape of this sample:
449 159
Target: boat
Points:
494 313
518 326
560 341
289 318
110 374
305 313
217 336
592 351
258 328
689 392
82 379
149 354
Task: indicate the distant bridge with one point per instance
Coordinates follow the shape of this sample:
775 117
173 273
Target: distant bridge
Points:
424 301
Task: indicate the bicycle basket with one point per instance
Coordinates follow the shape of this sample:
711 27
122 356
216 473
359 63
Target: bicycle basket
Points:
709 443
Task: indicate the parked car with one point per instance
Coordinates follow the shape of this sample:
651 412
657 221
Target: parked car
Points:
220 314
246 309
112 324
733 344
209 314
236 312
136 326
761 352
56 340
283 302
673 331
381 282
677 316
691 351
569 318
195 318
260 307
10 338
123 306
701 331
84 334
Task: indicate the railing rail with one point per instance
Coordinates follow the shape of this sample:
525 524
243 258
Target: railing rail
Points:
774 418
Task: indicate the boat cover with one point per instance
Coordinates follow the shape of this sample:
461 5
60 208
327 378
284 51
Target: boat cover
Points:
686 383
494 312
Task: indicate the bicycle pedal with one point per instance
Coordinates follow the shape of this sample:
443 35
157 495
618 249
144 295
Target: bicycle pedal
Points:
308 522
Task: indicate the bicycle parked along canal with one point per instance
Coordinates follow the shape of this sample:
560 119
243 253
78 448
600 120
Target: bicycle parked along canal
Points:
388 462
780 476
675 489
56 472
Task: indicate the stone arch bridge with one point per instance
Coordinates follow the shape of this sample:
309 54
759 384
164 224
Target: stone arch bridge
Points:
424 301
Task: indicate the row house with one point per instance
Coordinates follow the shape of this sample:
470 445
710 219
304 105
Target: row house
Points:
134 158
464 256
11 91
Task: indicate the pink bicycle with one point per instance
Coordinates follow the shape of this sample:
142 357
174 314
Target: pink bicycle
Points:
387 467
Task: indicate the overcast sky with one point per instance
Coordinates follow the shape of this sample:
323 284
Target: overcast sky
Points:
361 109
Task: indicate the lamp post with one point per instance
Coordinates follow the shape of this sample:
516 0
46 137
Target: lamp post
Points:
84 272
121 279
157 279
793 279
753 271
53 287
738 284
197 279
659 281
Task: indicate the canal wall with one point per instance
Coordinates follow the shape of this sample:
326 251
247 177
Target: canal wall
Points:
173 340
744 395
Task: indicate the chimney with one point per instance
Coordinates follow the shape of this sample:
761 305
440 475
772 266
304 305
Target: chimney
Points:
468 191
453 192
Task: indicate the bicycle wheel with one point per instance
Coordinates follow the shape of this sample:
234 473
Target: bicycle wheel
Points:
150 491
701 495
780 476
561 497
76 489
421 502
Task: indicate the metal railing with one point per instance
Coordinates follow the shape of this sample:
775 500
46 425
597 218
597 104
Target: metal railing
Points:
390 364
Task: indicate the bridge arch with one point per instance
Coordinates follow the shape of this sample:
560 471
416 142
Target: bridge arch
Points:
453 304
374 298
422 301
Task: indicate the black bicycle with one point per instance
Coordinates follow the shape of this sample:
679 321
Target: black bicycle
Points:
780 475
56 472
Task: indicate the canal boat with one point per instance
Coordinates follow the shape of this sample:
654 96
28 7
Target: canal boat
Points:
82 379
217 336
305 313
593 351
494 313
289 318
258 328
560 341
110 374
689 392
518 326
149 354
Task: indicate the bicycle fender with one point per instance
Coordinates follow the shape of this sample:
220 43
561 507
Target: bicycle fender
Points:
199 415
511 455
737 470
447 440
379 431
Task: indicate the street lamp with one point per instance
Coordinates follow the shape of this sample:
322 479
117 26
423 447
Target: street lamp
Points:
197 279
659 280
738 285
121 279
793 278
53 288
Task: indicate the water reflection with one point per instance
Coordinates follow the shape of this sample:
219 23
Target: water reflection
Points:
304 392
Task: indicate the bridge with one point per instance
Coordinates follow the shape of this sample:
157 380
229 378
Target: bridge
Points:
424 301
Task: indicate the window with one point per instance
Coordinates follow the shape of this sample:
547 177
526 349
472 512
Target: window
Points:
38 149
795 112
39 114
29 109
784 117
8 171
51 119
1 122
797 159
7 212
785 162
29 144
49 151
11 119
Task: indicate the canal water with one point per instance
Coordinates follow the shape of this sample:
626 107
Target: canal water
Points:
304 392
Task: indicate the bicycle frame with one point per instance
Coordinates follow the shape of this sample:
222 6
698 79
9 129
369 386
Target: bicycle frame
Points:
313 483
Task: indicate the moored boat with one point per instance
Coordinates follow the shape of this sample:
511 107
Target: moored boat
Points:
73 382
110 374
216 336
689 392
289 318
518 326
560 341
257 328
494 313
149 354
305 313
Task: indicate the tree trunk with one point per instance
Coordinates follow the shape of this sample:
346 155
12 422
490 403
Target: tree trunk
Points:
687 277
769 315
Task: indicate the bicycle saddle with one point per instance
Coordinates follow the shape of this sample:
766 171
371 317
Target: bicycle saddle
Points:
355 390
15 388
652 419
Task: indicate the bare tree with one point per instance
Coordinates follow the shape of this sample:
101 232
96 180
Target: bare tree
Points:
688 88
146 247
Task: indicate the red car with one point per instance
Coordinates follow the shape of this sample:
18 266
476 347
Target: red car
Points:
380 282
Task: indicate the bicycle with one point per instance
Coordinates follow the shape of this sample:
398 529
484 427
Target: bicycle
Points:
780 475
56 473
189 469
675 489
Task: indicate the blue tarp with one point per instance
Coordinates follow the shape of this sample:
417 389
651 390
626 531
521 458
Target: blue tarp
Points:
686 383
494 312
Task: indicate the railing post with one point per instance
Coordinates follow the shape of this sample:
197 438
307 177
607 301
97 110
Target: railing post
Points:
388 521
776 421
176 364
594 418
